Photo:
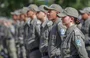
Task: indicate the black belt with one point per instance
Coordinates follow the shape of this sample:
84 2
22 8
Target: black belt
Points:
34 49
73 57
87 45
76 56
56 56
45 54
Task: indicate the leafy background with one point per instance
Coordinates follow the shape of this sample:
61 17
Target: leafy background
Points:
7 6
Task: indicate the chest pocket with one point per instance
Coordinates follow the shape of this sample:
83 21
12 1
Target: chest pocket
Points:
53 35
66 46
45 34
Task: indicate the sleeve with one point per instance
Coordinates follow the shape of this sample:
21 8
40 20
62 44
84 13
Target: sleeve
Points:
11 44
61 30
12 48
80 46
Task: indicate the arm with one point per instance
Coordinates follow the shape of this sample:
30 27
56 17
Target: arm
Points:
80 46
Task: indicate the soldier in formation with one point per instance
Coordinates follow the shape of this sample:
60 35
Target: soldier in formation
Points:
46 32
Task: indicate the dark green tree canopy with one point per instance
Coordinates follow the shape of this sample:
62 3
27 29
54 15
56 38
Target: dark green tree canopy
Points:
7 6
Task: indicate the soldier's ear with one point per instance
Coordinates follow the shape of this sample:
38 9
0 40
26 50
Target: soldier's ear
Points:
45 13
89 14
71 18
58 12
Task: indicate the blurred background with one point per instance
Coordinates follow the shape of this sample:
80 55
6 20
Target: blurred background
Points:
7 6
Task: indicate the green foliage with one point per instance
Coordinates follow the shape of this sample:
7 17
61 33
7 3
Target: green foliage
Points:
7 6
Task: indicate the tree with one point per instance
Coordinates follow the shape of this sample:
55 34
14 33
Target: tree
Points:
7 6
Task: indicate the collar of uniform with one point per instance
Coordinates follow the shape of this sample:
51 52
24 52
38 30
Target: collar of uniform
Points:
28 21
18 23
44 23
33 20
70 29
57 21
49 23
22 22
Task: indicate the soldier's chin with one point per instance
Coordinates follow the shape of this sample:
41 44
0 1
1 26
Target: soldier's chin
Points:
50 19
65 24
39 19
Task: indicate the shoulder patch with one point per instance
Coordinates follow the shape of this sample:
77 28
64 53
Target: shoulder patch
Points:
62 32
78 42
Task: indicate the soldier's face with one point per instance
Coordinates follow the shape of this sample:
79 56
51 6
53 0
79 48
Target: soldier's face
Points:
30 13
52 14
22 16
66 20
84 16
15 17
40 15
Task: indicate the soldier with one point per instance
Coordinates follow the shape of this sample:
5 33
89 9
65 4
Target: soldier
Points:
44 31
57 31
26 26
16 24
6 39
24 17
73 45
32 42
10 39
3 40
21 48
15 16
86 27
